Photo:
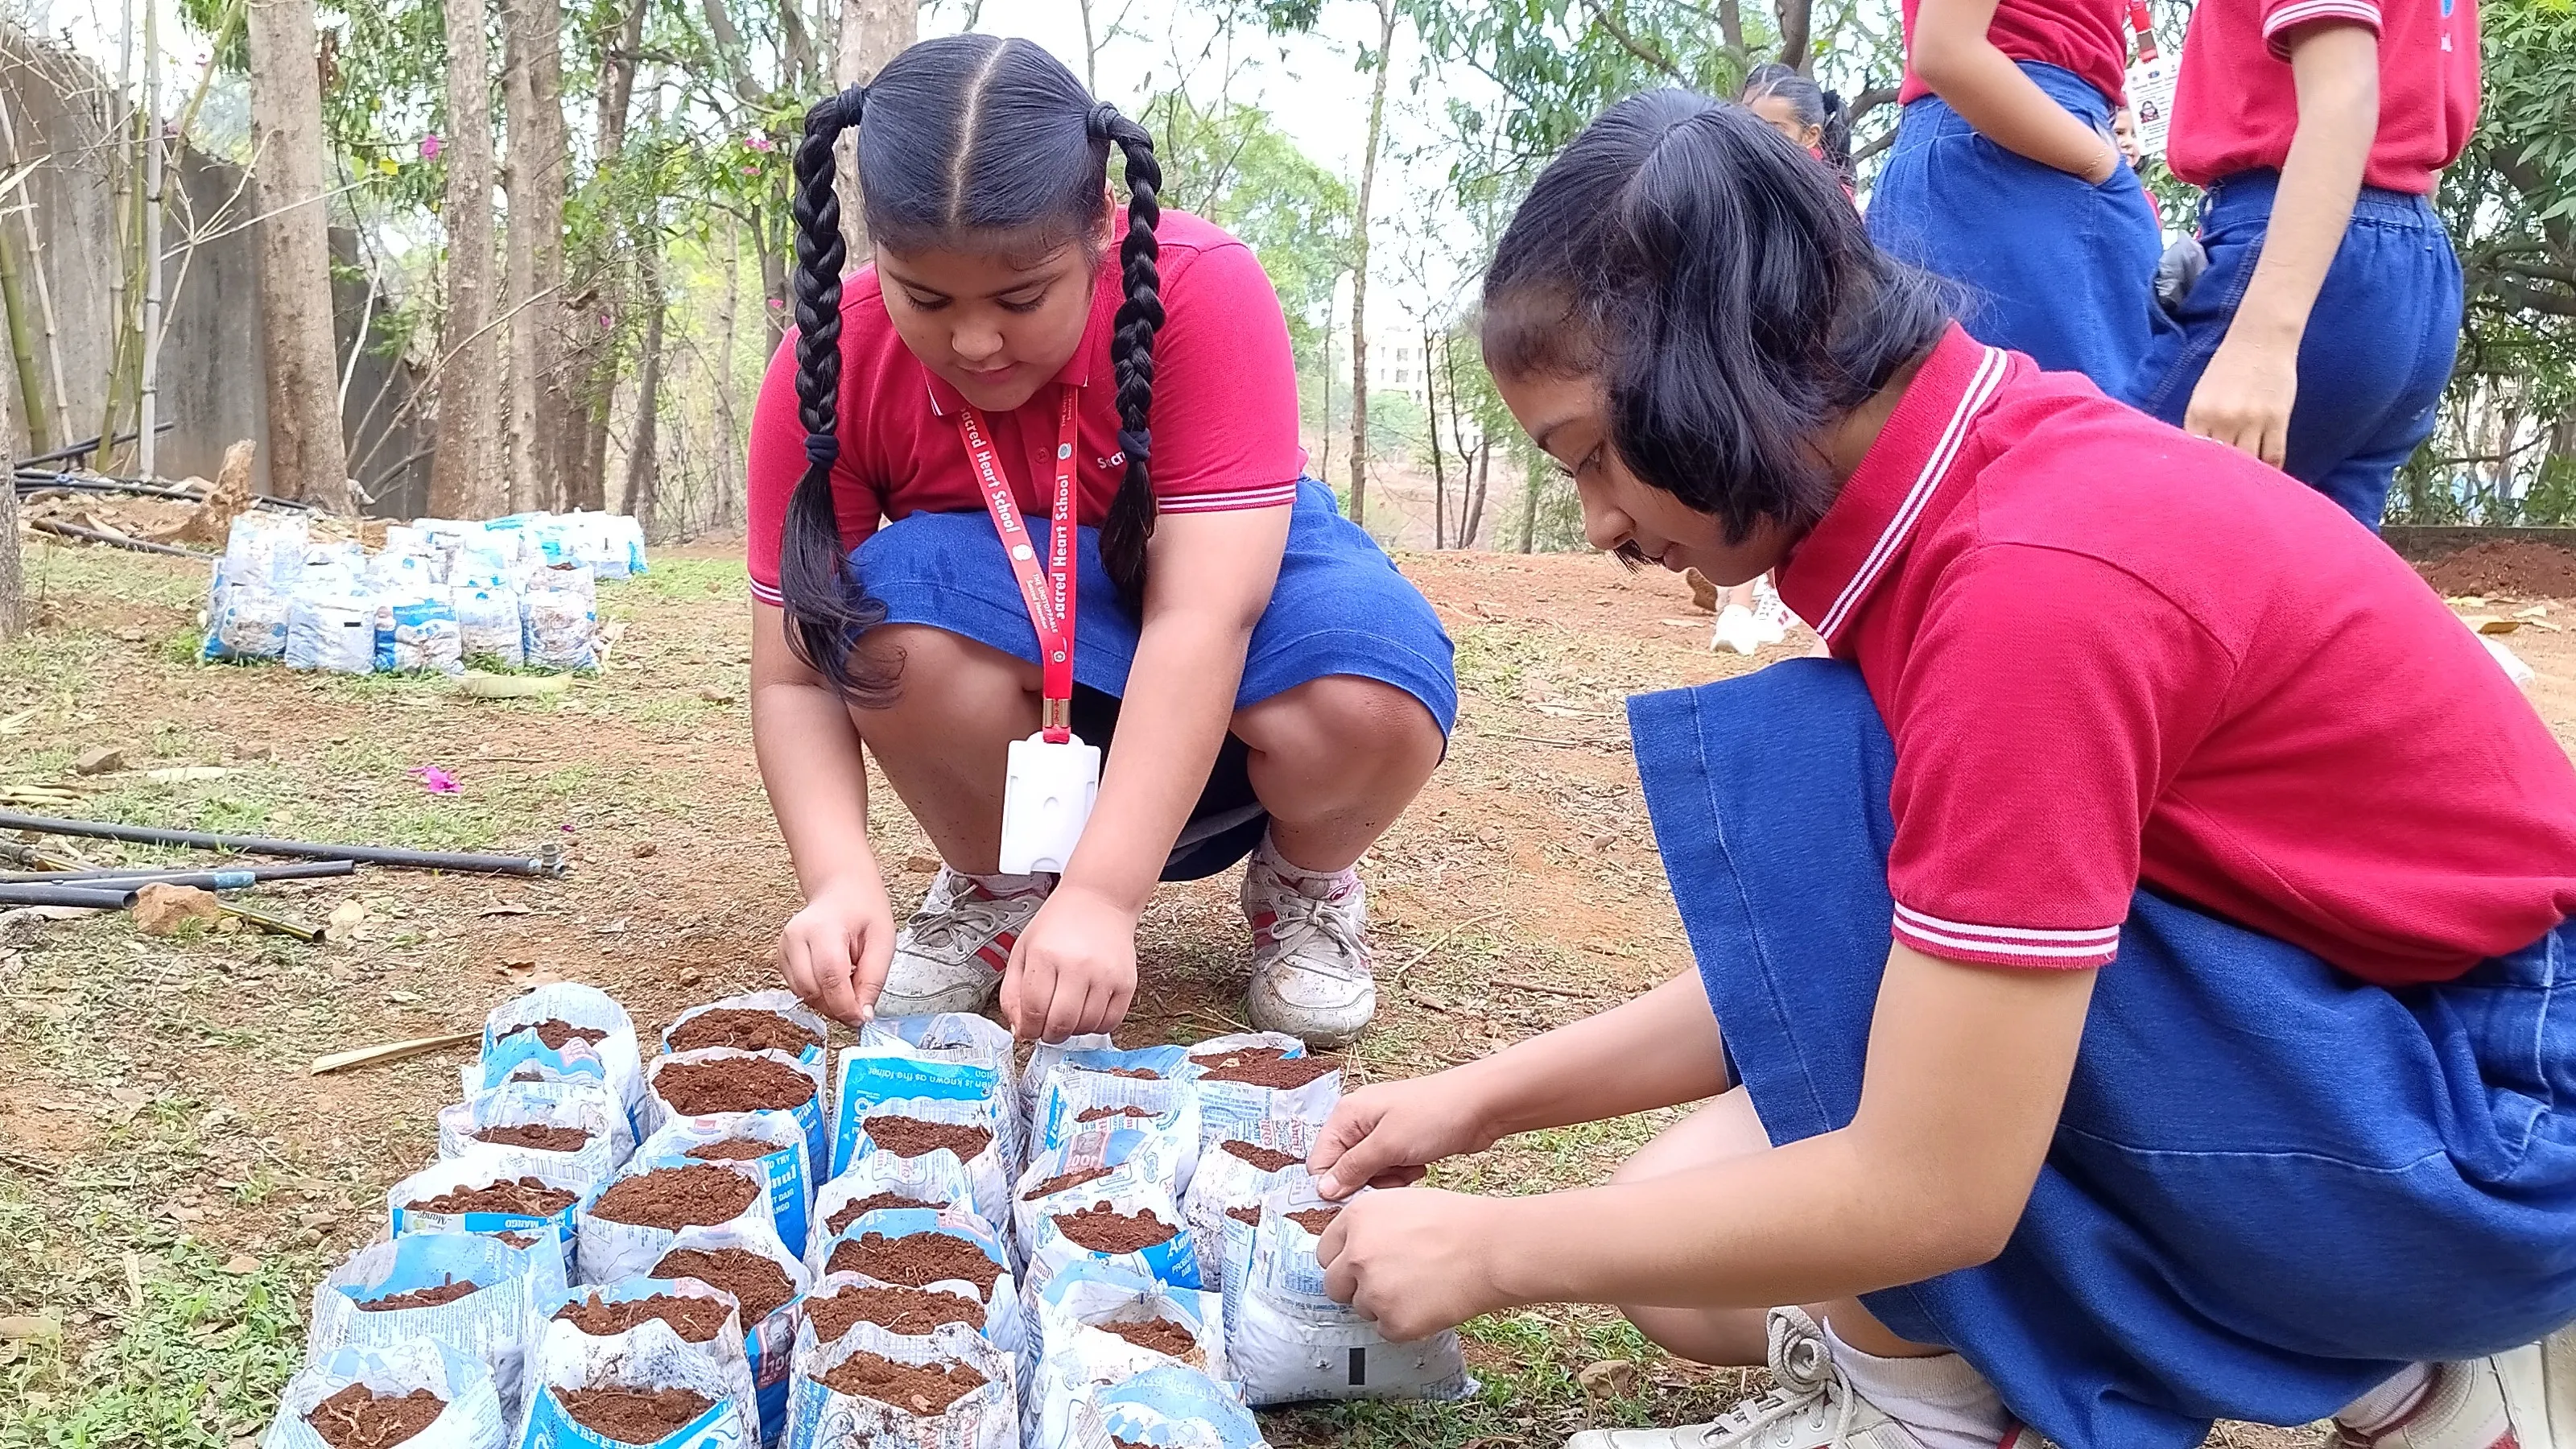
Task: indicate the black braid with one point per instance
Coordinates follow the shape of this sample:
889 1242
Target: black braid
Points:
1130 524
826 607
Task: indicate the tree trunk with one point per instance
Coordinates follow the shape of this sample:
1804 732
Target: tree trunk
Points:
307 458
872 33
1476 503
539 407
1359 266
1439 473
778 303
1795 27
465 478
1531 476
643 464
22 346
13 577
602 266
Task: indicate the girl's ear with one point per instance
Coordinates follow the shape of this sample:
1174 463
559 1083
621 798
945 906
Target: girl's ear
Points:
1105 235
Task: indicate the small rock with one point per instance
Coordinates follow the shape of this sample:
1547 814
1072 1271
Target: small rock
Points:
240 1263
713 695
403 998
691 978
161 909
645 850
922 864
255 752
132 636
27 1326
100 761
1614 1376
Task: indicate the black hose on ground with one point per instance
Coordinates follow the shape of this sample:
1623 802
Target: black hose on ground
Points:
546 862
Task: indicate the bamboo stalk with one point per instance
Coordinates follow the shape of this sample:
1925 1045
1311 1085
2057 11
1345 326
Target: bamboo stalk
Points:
392 1051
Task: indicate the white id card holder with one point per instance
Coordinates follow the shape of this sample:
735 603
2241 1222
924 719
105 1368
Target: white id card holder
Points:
2151 97
1045 801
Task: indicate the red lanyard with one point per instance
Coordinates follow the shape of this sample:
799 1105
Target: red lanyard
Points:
2144 24
1048 594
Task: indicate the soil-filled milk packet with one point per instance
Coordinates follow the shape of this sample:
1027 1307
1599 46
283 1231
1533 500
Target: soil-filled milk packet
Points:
775 1140
499 1192
636 1331
755 1021
843 1301
1170 1407
886 1066
1102 1326
1105 1157
1124 1216
968 1129
1079 1097
910 1248
870 1389
672 1401
767 1281
632 1222
565 1029
460 1291
883 1182
1043 1060
577 1127
1242 1079
1234 1178
431 1396
716 1080
1289 1341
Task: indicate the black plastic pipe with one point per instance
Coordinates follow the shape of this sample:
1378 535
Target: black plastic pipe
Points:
105 898
547 862
141 874
114 540
90 445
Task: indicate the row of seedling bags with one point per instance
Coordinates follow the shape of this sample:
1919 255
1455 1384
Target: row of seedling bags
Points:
921 1245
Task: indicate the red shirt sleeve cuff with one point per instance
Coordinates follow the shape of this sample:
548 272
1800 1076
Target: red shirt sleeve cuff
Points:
1273 495
2286 18
2025 946
767 593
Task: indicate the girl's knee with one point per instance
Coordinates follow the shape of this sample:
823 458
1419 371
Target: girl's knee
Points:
1725 1127
1344 717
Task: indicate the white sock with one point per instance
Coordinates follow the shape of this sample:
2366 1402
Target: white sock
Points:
1943 1401
1320 884
1005 885
2384 1405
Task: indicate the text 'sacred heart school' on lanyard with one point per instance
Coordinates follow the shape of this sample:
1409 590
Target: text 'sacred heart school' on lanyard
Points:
1048 594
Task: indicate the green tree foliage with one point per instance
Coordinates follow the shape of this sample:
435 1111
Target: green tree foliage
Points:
1230 163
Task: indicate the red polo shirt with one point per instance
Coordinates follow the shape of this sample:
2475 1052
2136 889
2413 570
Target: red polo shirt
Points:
2088 37
1224 417
2236 105
2111 654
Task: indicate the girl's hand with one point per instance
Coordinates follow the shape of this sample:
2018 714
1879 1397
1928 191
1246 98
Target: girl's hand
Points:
1415 1260
1073 970
834 953
2245 395
1383 1136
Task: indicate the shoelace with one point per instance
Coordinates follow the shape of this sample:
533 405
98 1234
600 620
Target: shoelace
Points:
1808 1379
970 918
1300 919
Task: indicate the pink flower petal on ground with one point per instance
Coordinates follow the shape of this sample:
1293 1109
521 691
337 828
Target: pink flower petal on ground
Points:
435 780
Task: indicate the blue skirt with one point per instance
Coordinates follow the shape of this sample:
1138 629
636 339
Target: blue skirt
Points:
2051 264
1339 607
2272 1185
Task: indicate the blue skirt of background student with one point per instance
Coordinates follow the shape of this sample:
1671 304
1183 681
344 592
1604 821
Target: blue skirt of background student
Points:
2049 264
1339 607
2272 1184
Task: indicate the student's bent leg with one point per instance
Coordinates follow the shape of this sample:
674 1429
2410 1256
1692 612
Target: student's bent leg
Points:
1334 761
944 741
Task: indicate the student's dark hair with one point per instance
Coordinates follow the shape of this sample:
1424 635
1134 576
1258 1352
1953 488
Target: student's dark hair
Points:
966 143
1723 290
1811 103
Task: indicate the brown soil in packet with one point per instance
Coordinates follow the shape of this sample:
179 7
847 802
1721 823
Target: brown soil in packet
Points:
1103 1114
1249 1216
910 1137
672 1198
356 1418
1315 1220
734 1084
744 1030
1268 1159
633 1416
446 1291
759 1285
1161 1335
536 1135
908 1311
916 1261
526 1197
733 1149
697 1320
1064 1181
1266 1067
922 1389
1134 1074
875 1202
1105 1231
556 1033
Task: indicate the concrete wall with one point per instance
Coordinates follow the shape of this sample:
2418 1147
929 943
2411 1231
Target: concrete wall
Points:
212 382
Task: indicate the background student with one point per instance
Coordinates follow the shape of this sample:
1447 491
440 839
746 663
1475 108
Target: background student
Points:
1264 681
2005 179
2322 333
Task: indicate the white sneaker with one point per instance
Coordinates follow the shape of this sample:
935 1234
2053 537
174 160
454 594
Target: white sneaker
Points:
1770 614
1813 1407
1310 958
1736 630
2521 1399
950 955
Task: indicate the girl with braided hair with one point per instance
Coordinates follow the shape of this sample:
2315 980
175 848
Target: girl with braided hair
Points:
1032 474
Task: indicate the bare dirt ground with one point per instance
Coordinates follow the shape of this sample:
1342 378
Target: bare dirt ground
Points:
173 1184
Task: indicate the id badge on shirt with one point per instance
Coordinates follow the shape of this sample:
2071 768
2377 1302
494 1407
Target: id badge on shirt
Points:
2151 97
1046 800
